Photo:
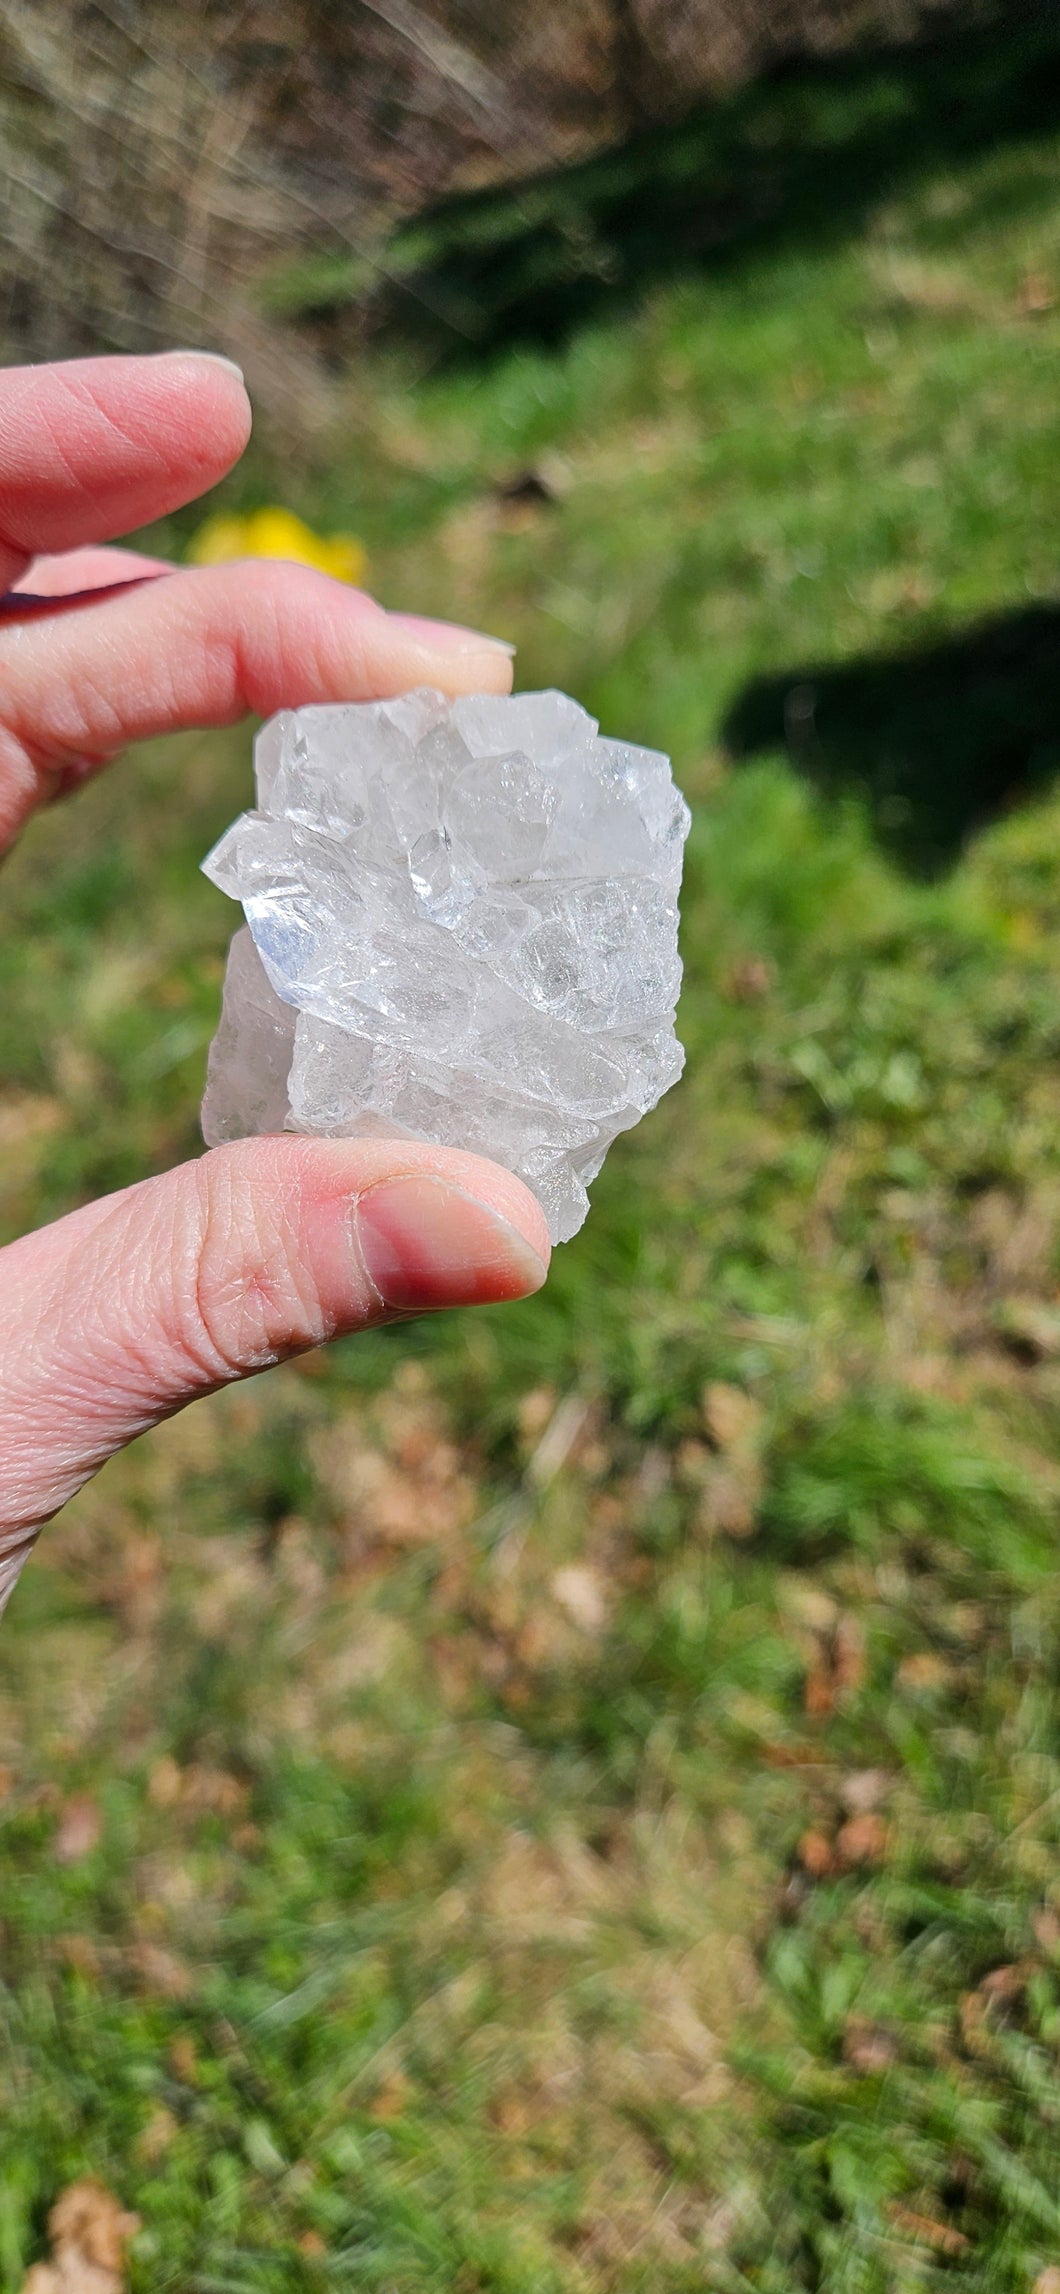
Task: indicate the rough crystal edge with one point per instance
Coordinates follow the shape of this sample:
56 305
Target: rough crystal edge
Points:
552 1173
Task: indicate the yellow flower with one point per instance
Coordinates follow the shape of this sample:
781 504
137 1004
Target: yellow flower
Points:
277 533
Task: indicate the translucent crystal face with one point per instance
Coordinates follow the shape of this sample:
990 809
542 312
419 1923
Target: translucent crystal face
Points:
461 926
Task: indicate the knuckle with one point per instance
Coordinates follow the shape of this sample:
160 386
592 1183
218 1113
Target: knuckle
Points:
249 1300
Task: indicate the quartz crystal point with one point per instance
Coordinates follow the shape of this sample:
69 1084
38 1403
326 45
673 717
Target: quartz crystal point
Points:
461 926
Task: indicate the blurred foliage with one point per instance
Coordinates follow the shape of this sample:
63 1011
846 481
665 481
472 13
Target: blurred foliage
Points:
569 1798
157 164
785 163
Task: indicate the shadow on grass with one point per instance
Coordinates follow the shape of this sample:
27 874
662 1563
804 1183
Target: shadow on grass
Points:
796 158
939 740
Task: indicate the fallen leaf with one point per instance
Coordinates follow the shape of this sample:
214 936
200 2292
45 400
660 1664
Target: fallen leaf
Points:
924 1670
164 1782
159 1974
927 2231
534 1411
511 2113
89 2230
80 1829
816 1855
729 1504
836 1668
818 1696
1047 1934
867 2046
392 2098
81 1953
212 1791
184 2059
732 1417
848 1655
153 2140
864 1789
862 1840
582 1592
793 1756
972 2013
749 979
1035 297
1004 1984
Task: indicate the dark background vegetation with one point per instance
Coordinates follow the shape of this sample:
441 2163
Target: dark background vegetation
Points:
159 164
567 1801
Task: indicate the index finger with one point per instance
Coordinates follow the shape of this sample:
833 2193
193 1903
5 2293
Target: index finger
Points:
95 446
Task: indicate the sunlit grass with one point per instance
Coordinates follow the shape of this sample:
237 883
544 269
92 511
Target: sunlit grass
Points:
564 1776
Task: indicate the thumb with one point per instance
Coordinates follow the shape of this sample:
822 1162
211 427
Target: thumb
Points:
117 1315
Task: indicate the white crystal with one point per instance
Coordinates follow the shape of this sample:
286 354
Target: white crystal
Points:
461 926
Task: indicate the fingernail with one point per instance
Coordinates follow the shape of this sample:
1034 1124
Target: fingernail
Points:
425 1243
449 637
214 357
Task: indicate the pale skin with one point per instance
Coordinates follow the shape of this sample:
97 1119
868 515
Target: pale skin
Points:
134 1305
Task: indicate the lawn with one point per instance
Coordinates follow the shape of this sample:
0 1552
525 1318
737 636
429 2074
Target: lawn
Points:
567 1800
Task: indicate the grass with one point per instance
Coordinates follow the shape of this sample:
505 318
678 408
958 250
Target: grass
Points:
567 1801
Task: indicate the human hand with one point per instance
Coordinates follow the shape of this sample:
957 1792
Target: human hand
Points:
119 1314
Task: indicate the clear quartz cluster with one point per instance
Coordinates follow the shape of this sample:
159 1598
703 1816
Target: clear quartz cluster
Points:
461 926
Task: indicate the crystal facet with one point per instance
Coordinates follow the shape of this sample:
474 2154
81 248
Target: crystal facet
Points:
461 926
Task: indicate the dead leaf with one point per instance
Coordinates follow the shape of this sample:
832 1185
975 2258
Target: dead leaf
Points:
1047 1935
80 1829
971 2015
836 1668
692 1464
159 1973
198 1788
391 2099
1048 2280
926 2231
749 979
818 1696
164 1782
732 1485
183 2058
729 1504
924 1670
867 2046
154 2140
807 1603
864 1789
89 2230
1003 1985
582 1592
212 1791
848 1656
1035 297
81 1953
862 1840
816 1855
793 1755
534 1411
27 1117
732 1417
